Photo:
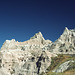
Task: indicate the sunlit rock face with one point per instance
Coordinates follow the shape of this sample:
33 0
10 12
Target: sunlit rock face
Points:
32 57
9 44
25 58
18 62
64 44
35 42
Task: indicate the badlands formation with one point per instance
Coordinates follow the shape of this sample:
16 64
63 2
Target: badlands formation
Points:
32 57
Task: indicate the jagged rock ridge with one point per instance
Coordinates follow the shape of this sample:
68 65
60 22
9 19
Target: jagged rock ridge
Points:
36 42
33 56
25 58
64 44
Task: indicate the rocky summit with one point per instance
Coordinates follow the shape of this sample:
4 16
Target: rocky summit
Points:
33 57
65 44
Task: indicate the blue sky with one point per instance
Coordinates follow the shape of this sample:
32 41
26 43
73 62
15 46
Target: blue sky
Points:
21 19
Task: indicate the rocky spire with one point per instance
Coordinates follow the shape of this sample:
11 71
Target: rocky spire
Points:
38 36
66 31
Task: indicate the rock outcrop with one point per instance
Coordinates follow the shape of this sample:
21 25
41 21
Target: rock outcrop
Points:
25 58
36 42
32 57
65 44
68 65
19 62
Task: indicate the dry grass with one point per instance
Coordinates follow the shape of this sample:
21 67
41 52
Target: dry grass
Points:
70 72
56 61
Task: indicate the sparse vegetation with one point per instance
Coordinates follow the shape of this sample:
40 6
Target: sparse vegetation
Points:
56 61
69 72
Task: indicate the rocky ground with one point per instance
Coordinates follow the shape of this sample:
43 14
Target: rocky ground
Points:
36 55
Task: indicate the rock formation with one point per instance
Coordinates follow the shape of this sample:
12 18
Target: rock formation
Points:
32 57
36 42
65 66
65 44
25 58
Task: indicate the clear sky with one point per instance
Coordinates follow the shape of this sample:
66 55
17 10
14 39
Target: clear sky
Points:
21 19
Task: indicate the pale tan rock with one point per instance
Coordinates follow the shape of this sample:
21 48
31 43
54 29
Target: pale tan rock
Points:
36 42
65 43
25 58
33 56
